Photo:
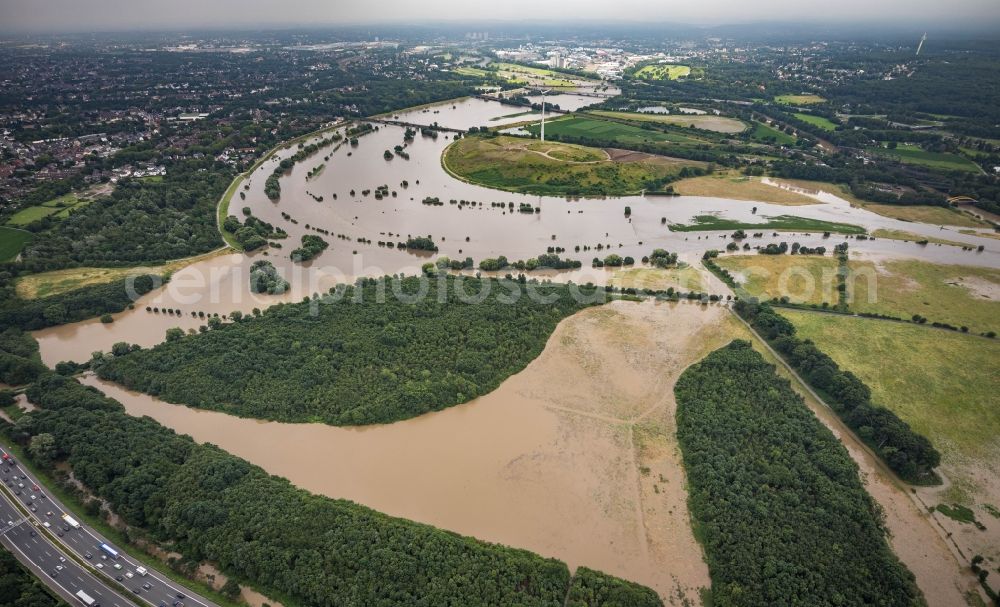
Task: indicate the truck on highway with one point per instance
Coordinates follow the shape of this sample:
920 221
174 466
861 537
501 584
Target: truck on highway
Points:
108 550
71 521
86 599
141 571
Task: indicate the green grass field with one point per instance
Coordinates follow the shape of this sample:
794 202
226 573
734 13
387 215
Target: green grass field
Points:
957 295
11 242
708 122
60 207
824 123
943 384
912 154
781 223
549 168
684 277
799 99
663 71
609 133
806 279
763 132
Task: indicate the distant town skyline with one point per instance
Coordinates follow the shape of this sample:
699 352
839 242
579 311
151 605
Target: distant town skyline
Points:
105 15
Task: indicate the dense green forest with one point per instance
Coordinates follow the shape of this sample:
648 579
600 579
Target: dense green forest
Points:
776 499
909 454
71 306
19 588
592 589
355 360
140 222
208 504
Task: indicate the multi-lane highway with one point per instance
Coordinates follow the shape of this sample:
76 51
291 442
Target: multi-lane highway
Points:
48 562
150 589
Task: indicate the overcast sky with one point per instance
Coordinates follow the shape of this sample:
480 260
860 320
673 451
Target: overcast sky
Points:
85 15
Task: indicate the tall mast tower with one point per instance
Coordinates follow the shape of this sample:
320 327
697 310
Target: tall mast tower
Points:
921 45
543 113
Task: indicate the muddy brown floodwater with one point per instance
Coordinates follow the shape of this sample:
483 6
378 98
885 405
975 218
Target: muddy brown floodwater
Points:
573 458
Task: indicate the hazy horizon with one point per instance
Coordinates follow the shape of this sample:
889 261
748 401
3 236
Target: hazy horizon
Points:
120 15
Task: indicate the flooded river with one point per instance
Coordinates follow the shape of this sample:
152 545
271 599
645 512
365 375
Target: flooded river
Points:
220 284
549 461
548 454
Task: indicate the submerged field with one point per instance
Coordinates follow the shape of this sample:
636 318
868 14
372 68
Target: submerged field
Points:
911 237
45 284
733 187
926 214
537 167
786 223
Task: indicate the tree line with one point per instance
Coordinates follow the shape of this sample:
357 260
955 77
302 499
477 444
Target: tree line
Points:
71 306
775 498
909 454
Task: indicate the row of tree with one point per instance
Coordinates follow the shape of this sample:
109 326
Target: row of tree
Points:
908 453
72 306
